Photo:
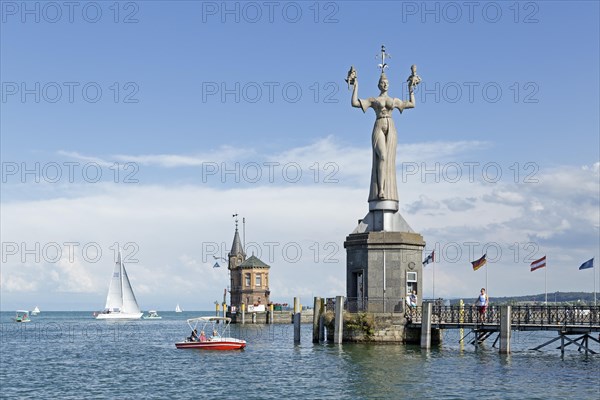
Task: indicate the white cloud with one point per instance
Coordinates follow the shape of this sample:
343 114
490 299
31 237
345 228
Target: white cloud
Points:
178 229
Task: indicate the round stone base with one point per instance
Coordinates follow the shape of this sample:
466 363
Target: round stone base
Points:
387 205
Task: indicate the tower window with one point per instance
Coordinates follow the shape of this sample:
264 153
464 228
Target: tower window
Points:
258 280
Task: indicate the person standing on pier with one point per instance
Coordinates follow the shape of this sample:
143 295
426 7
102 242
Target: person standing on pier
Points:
413 299
482 303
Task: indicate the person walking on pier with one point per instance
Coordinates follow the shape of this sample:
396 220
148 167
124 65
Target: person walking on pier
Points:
482 303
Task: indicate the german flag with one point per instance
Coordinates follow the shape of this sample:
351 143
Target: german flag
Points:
479 263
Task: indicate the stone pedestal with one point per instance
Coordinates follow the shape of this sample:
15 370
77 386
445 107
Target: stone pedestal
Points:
382 267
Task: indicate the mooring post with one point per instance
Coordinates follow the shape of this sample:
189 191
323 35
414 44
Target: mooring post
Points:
338 333
271 310
322 320
253 317
316 318
426 326
243 313
297 318
505 318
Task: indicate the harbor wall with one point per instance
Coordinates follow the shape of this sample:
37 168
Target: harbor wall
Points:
279 317
366 327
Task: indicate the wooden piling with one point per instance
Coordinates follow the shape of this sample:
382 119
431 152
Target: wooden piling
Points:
322 320
243 313
297 318
338 333
426 326
316 319
270 316
505 318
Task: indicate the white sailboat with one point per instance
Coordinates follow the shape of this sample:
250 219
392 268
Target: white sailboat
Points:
120 301
177 308
35 311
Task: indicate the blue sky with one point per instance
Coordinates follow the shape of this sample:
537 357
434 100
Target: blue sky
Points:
509 87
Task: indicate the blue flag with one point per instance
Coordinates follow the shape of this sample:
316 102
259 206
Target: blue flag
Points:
588 264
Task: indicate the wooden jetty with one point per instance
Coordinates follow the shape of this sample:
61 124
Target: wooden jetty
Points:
577 326
567 321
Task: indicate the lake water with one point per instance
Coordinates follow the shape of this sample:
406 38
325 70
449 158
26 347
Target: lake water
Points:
69 355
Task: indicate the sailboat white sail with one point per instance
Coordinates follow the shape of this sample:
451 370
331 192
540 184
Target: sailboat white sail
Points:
35 311
178 309
120 301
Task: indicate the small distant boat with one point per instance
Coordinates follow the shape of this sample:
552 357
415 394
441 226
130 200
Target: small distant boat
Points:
22 316
152 314
35 311
178 309
120 301
217 341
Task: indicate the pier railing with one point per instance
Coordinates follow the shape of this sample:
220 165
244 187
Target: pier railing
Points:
538 316
521 316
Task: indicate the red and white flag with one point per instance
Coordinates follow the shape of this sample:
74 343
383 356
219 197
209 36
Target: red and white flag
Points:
537 264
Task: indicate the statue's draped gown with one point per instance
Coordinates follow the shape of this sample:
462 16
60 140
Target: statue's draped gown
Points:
383 107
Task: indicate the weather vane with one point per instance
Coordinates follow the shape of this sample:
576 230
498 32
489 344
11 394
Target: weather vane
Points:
383 56
236 220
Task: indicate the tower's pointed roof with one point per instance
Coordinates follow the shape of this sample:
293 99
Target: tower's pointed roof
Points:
253 262
236 246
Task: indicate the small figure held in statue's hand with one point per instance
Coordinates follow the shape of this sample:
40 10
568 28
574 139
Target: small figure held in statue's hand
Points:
414 79
351 77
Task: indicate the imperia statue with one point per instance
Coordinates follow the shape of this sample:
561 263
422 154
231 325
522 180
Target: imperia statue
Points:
384 137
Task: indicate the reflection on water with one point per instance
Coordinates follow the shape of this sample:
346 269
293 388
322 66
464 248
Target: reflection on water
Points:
70 355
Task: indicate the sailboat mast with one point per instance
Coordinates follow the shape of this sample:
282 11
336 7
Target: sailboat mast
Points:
121 272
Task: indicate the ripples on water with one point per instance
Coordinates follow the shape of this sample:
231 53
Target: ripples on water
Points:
71 356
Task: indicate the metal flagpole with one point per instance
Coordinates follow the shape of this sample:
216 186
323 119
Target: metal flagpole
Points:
545 280
433 295
486 280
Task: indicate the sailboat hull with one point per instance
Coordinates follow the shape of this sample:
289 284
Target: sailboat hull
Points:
117 315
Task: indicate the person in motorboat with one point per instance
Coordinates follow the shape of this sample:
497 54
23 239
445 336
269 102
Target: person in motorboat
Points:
202 337
194 336
215 334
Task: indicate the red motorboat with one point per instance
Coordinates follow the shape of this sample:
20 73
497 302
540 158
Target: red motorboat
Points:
216 340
